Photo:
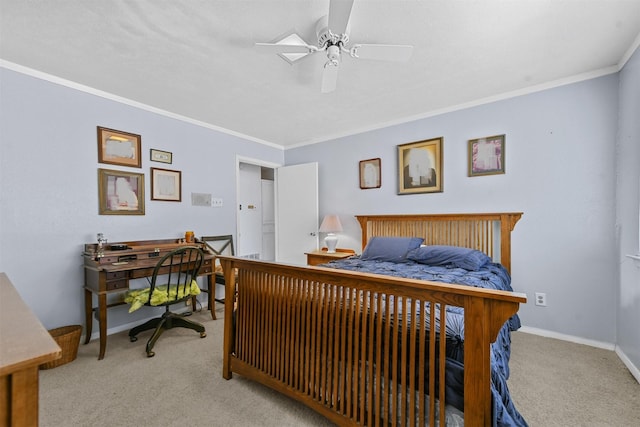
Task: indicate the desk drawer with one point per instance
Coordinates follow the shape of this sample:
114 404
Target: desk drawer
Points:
207 266
117 284
113 275
108 260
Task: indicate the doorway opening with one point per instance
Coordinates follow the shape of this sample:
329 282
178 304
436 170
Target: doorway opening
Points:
256 210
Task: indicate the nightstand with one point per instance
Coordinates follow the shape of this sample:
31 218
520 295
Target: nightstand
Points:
321 256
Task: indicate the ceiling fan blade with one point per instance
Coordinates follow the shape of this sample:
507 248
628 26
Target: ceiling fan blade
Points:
329 77
339 14
284 48
382 52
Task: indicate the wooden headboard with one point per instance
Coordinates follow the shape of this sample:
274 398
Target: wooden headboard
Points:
486 232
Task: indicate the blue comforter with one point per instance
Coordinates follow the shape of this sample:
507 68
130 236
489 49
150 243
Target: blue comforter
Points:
491 276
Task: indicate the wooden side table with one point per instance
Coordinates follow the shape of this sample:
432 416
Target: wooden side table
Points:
321 256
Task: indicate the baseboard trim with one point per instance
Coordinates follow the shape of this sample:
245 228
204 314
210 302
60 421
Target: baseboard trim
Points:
630 366
565 337
599 344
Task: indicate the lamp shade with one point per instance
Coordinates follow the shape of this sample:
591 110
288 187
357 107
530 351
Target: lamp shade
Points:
330 224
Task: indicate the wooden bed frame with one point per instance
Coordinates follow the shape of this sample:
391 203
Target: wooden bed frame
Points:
315 333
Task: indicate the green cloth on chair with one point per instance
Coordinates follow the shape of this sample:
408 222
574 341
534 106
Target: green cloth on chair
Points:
139 297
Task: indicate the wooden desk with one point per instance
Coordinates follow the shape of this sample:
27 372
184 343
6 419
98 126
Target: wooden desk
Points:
111 273
321 256
24 345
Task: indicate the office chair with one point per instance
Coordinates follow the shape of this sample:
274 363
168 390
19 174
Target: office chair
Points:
218 245
172 282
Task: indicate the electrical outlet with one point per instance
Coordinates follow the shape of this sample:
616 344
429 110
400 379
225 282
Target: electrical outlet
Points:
541 299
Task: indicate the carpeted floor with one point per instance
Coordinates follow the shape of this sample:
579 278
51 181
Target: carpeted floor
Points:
559 383
553 383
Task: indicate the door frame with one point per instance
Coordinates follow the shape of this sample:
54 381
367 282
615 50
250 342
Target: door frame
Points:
255 162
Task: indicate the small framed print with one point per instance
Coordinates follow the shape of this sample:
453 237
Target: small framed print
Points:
119 148
370 174
166 185
486 155
161 156
420 167
120 193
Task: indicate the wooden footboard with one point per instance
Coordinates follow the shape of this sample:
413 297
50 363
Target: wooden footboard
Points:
331 339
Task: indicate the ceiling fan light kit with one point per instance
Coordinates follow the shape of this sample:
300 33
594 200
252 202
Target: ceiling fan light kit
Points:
332 31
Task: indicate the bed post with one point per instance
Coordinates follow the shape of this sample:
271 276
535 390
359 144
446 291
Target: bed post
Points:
483 319
507 223
229 297
363 227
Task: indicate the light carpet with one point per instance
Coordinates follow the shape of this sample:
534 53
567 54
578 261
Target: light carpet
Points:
553 383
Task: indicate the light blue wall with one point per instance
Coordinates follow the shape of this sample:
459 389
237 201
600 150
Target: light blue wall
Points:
560 171
49 190
628 189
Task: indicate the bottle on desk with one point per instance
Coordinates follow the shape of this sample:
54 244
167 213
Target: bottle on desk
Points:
101 244
189 237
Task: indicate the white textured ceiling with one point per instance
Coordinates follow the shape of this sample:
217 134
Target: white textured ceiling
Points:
196 59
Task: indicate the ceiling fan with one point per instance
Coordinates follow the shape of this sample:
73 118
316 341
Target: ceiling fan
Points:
333 38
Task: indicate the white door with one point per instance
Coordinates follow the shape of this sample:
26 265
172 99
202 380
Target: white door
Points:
296 212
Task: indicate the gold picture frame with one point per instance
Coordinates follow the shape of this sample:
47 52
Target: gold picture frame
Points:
370 176
166 185
420 167
116 147
486 155
120 193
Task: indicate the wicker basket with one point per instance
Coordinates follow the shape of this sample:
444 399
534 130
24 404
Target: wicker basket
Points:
68 338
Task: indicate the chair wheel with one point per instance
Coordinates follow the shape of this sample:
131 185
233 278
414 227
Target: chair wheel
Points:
203 334
133 339
150 353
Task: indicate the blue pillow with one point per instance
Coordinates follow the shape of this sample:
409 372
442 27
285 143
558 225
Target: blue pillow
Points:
392 249
469 259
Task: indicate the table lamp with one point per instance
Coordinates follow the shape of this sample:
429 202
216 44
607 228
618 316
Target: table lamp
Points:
331 225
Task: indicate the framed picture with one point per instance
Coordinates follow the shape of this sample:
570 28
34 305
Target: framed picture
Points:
486 155
161 156
370 174
119 148
120 193
420 167
166 185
